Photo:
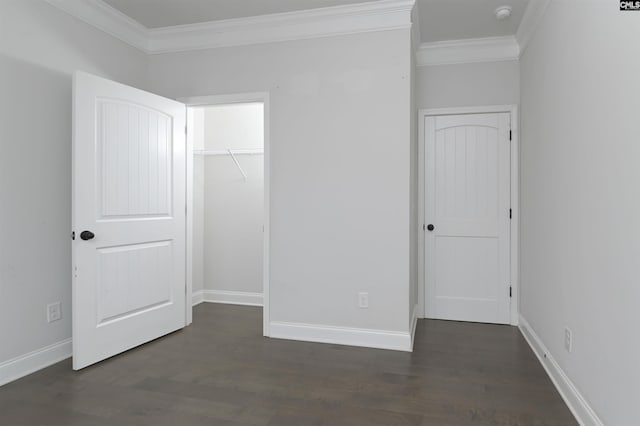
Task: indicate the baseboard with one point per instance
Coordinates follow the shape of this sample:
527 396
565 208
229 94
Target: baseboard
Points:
580 408
197 297
24 365
381 339
414 324
229 297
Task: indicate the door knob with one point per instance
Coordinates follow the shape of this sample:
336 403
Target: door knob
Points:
430 227
87 235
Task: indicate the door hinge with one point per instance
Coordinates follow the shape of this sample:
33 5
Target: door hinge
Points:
510 135
510 213
73 235
510 291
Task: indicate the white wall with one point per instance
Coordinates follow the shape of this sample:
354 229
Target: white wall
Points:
474 84
197 127
39 48
580 201
235 126
233 208
413 175
339 171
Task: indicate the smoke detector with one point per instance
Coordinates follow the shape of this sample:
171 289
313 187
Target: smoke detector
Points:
502 13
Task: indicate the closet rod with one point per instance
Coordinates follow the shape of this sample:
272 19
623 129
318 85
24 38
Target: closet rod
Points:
229 152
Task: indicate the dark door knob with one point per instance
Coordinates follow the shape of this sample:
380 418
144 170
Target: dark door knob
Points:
87 235
430 227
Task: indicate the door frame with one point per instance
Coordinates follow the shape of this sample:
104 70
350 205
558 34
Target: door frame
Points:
236 98
514 269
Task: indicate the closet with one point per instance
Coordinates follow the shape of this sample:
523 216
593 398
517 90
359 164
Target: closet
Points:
228 203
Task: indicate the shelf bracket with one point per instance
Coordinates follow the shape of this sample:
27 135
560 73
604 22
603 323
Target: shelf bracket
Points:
235 160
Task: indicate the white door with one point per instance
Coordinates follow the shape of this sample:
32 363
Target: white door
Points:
467 214
128 218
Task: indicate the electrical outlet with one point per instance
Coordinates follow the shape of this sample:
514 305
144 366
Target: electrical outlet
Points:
54 312
567 340
363 300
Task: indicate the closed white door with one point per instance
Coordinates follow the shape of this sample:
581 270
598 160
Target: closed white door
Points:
467 214
128 218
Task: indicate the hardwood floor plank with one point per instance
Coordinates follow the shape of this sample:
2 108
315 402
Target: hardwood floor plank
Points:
221 371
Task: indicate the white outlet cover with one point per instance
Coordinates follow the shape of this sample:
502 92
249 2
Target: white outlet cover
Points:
568 340
363 300
54 312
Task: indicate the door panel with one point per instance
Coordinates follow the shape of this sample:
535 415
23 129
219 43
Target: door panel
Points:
129 190
133 278
467 200
134 169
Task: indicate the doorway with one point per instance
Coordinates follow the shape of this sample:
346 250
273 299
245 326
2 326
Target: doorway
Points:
468 189
227 190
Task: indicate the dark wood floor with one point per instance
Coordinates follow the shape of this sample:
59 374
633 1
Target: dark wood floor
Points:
221 371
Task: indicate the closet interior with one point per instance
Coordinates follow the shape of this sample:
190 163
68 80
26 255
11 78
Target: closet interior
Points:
228 202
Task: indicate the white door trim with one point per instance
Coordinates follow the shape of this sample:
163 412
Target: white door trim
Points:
220 100
515 200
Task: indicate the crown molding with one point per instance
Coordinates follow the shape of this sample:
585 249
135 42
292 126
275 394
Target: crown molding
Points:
532 17
416 34
300 25
491 49
108 19
357 18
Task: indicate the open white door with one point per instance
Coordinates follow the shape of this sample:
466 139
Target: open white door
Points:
128 218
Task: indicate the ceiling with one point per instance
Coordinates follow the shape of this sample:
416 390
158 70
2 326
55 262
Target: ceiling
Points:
164 13
439 19
461 19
